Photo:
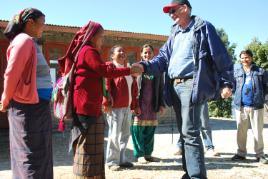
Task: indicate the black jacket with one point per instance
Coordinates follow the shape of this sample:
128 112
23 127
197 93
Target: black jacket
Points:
158 85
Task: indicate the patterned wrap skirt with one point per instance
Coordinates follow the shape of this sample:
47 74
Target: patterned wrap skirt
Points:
30 131
88 148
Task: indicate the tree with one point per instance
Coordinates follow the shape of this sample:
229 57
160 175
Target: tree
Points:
230 47
260 52
223 107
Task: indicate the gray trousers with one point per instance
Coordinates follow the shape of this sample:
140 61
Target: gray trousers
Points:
118 135
245 117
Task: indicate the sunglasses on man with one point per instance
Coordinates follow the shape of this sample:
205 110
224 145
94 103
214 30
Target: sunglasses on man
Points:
173 10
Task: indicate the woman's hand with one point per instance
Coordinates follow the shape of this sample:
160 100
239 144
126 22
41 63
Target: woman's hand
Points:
136 111
226 92
2 108
162 110
107 109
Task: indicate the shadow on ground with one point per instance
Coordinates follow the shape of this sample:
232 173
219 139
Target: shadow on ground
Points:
211 164
63 158
61 155
216 124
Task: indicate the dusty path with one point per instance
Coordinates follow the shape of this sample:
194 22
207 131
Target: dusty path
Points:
170 165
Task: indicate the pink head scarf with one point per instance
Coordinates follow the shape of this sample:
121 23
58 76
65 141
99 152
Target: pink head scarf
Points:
82 37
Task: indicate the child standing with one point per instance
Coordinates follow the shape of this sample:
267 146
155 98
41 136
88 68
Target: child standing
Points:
150 102
123 92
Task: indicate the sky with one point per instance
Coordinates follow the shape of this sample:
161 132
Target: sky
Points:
242 20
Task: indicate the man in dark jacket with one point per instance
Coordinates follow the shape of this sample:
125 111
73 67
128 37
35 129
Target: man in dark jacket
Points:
251 88
198 68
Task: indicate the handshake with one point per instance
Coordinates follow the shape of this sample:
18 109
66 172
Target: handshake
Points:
136 69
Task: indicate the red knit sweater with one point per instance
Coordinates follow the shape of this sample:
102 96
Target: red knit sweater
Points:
90 70
118 89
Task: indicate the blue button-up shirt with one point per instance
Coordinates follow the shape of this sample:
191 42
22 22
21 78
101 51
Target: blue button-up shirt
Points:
181 61
247 93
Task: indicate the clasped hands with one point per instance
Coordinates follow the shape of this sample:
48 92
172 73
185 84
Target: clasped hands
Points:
136 69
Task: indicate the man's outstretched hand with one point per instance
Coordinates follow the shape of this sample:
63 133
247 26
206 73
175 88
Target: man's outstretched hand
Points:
226 92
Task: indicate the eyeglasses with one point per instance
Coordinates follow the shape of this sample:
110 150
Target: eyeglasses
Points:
172 11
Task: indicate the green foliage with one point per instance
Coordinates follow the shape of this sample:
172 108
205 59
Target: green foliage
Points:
260 52
222 107
230 47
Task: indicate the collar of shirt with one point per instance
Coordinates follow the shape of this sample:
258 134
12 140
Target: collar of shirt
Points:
117 64
190 25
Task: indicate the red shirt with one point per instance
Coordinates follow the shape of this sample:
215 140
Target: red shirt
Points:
119 91
90 70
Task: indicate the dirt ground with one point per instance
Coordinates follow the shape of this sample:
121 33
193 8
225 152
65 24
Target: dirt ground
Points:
170 167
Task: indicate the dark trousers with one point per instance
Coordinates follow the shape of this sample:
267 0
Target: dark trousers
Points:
30 131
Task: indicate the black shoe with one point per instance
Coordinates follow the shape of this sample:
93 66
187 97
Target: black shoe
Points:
237 157
262 160
151 159
185 176
126 165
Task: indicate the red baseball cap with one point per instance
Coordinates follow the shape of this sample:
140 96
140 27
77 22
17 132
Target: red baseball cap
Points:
174 3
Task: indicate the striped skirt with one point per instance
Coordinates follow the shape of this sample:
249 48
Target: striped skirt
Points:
30 131
89 152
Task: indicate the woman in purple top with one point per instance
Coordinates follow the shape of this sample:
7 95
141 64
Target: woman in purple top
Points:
151 101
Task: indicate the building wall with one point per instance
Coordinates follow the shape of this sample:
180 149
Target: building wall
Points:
55 44
3 63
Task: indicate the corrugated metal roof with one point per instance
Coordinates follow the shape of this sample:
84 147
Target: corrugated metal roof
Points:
74 29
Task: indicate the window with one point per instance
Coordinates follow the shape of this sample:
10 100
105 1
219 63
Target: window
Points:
132 57
53 70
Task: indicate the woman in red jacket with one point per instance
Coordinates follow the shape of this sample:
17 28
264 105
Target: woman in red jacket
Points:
123 97
87 135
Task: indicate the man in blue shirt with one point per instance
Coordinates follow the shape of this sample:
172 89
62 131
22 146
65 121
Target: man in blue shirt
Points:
249 98
197 69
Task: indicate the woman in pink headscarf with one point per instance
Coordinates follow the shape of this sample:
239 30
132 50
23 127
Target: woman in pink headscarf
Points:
87 134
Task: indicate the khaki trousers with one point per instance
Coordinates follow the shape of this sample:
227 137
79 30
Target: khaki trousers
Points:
245 117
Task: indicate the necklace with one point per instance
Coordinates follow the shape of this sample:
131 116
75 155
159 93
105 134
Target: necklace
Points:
149 77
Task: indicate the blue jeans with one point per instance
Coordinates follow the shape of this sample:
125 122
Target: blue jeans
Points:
206 132
189 124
